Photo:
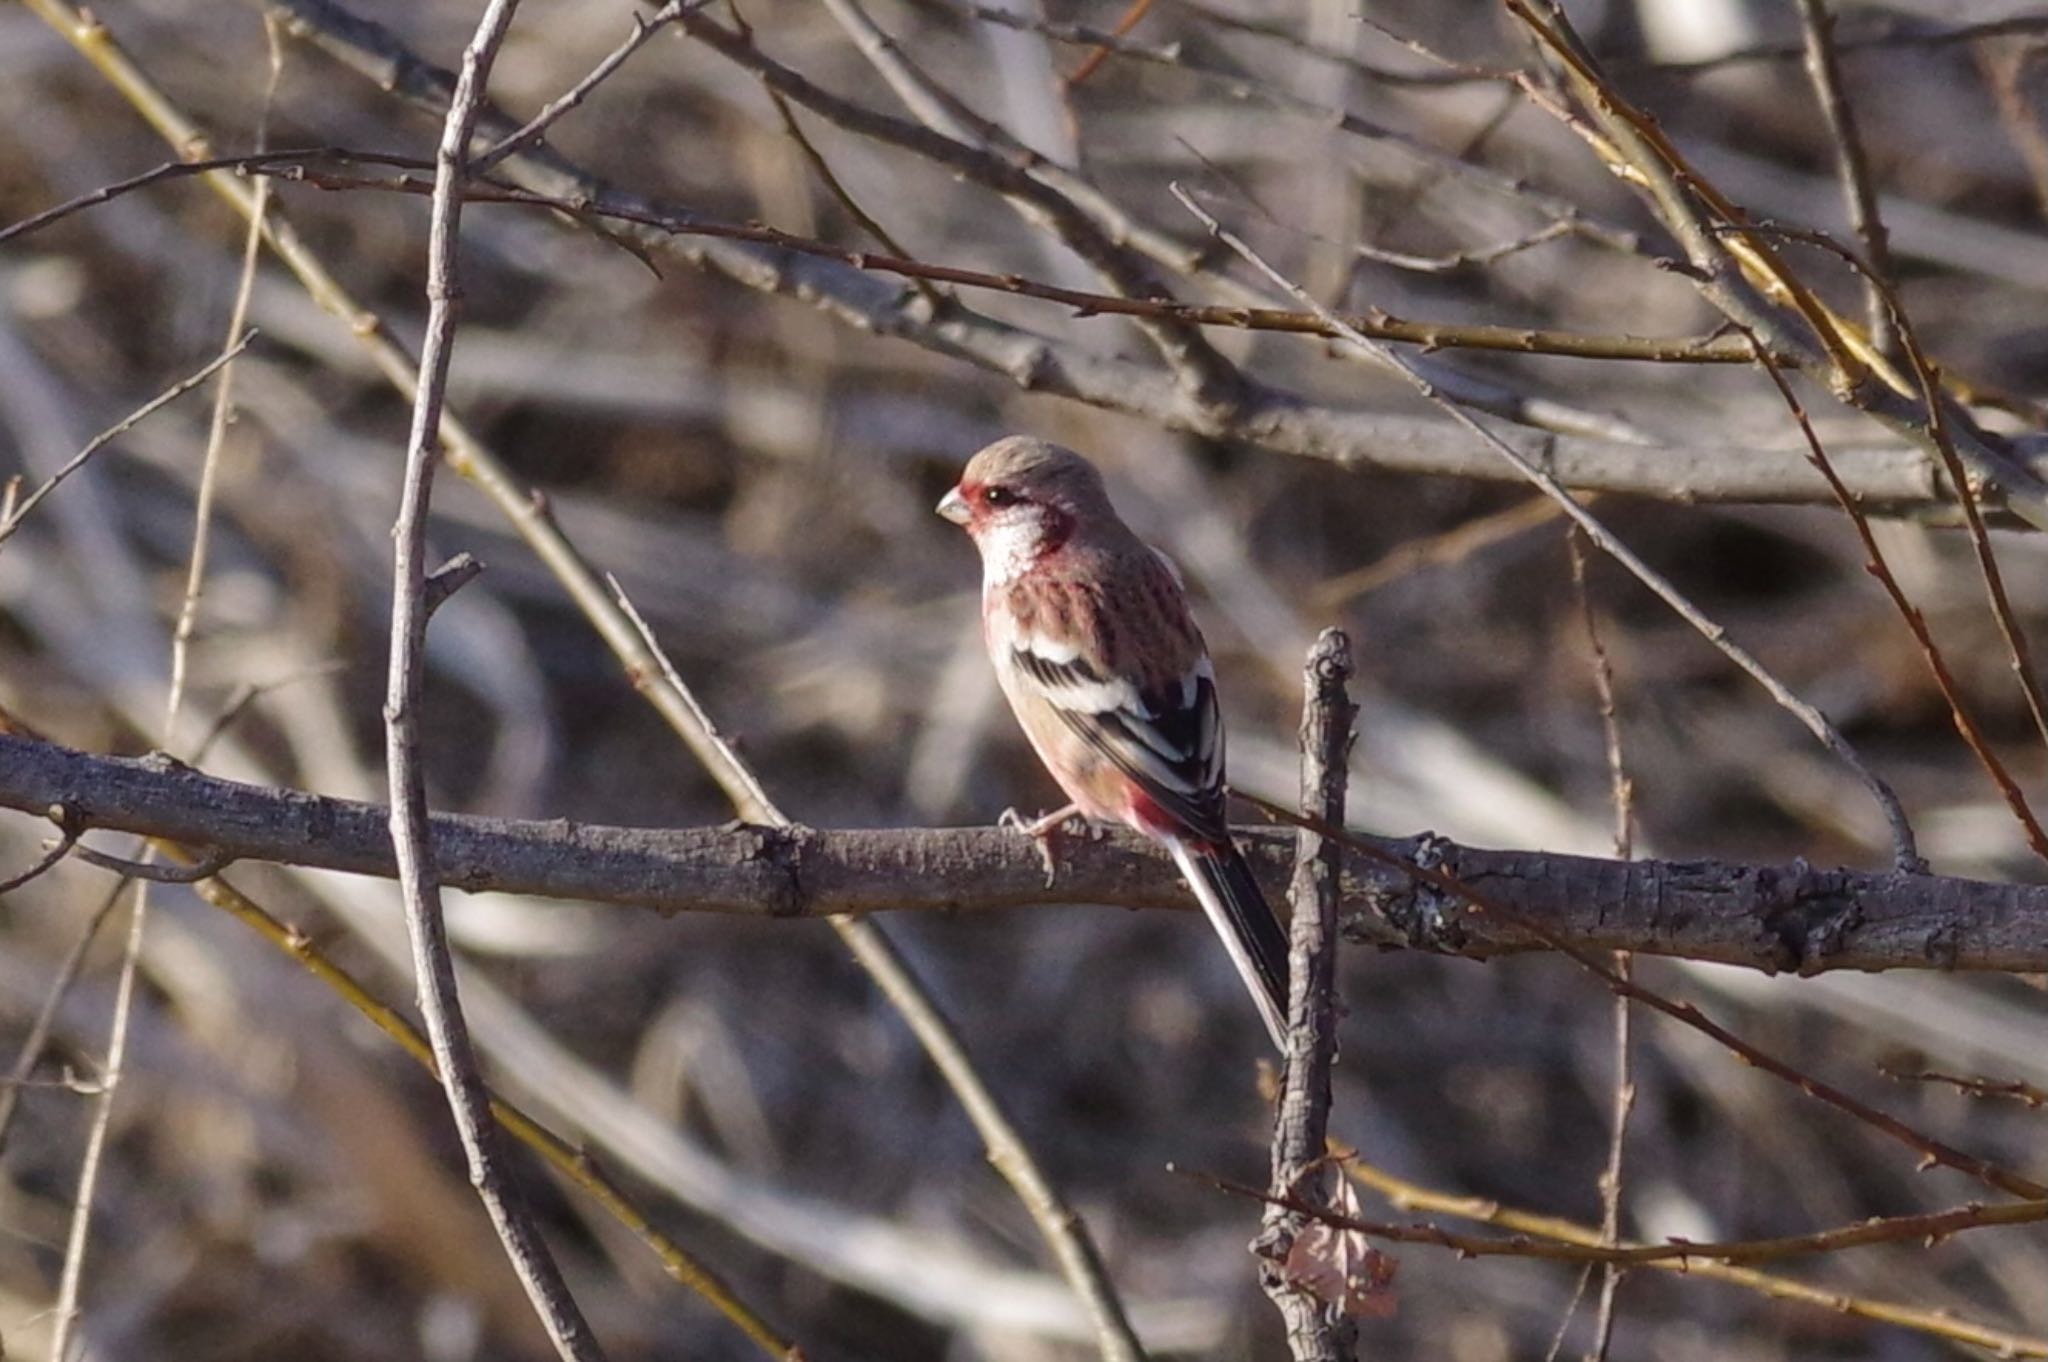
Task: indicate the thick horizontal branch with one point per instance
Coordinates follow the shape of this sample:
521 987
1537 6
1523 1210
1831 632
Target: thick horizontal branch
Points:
1767 917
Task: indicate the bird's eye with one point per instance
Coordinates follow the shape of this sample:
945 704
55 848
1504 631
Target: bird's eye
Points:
999 497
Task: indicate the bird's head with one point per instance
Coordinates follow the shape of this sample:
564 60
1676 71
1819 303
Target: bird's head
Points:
1020 498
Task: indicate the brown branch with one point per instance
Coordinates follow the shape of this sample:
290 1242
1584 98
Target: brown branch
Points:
528 133
68 829
1916 622
1315 1331
1133 14
1926 1226
2011 1088
1621 795
1207 375
18 510
1773 918
1410 1196
298 165
1939 417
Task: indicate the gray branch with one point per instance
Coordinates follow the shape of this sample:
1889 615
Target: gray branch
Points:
1317 1327
1769 917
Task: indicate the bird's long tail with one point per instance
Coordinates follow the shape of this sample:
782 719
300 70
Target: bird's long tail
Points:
1237 909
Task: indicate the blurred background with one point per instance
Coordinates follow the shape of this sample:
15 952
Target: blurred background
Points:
759 476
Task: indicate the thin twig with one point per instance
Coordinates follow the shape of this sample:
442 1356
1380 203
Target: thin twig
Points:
1740 272
208 864
247 694
1316 1332
828 177
2011 1088
10 523
299 165
223 411
1940 1323
238 338
1925 1226
1134 13
69 830
1621 796
1859 189
1904 855
1916 623
645 26
65 1312
1458 260
1448 548
411 831
972 148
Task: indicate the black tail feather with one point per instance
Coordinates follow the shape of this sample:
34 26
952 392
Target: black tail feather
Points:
1258 941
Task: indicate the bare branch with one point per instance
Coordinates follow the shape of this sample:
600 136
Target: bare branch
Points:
209 864
1862 1234
1942 1323
1316 1331
68 829
411 829
531 131
10 522
1772 918
1859 190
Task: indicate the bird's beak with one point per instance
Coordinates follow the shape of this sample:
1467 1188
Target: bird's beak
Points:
953 507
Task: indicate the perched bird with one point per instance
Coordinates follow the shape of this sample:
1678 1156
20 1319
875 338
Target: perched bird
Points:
1089 630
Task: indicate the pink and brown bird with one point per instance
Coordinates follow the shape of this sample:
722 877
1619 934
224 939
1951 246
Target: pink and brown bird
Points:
1093 642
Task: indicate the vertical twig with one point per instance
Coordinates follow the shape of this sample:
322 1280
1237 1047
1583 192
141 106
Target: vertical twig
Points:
223 411
433 964
1315 1331
72 1277
1859 192
1622 794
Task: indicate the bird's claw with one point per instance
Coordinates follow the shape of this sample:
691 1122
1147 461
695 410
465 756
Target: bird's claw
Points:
1044 831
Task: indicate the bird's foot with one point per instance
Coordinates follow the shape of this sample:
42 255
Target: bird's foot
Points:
1045 831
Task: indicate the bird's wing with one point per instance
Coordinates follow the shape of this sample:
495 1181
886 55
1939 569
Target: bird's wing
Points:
1147 703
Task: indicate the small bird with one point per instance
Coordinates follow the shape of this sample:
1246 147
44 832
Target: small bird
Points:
1092 640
